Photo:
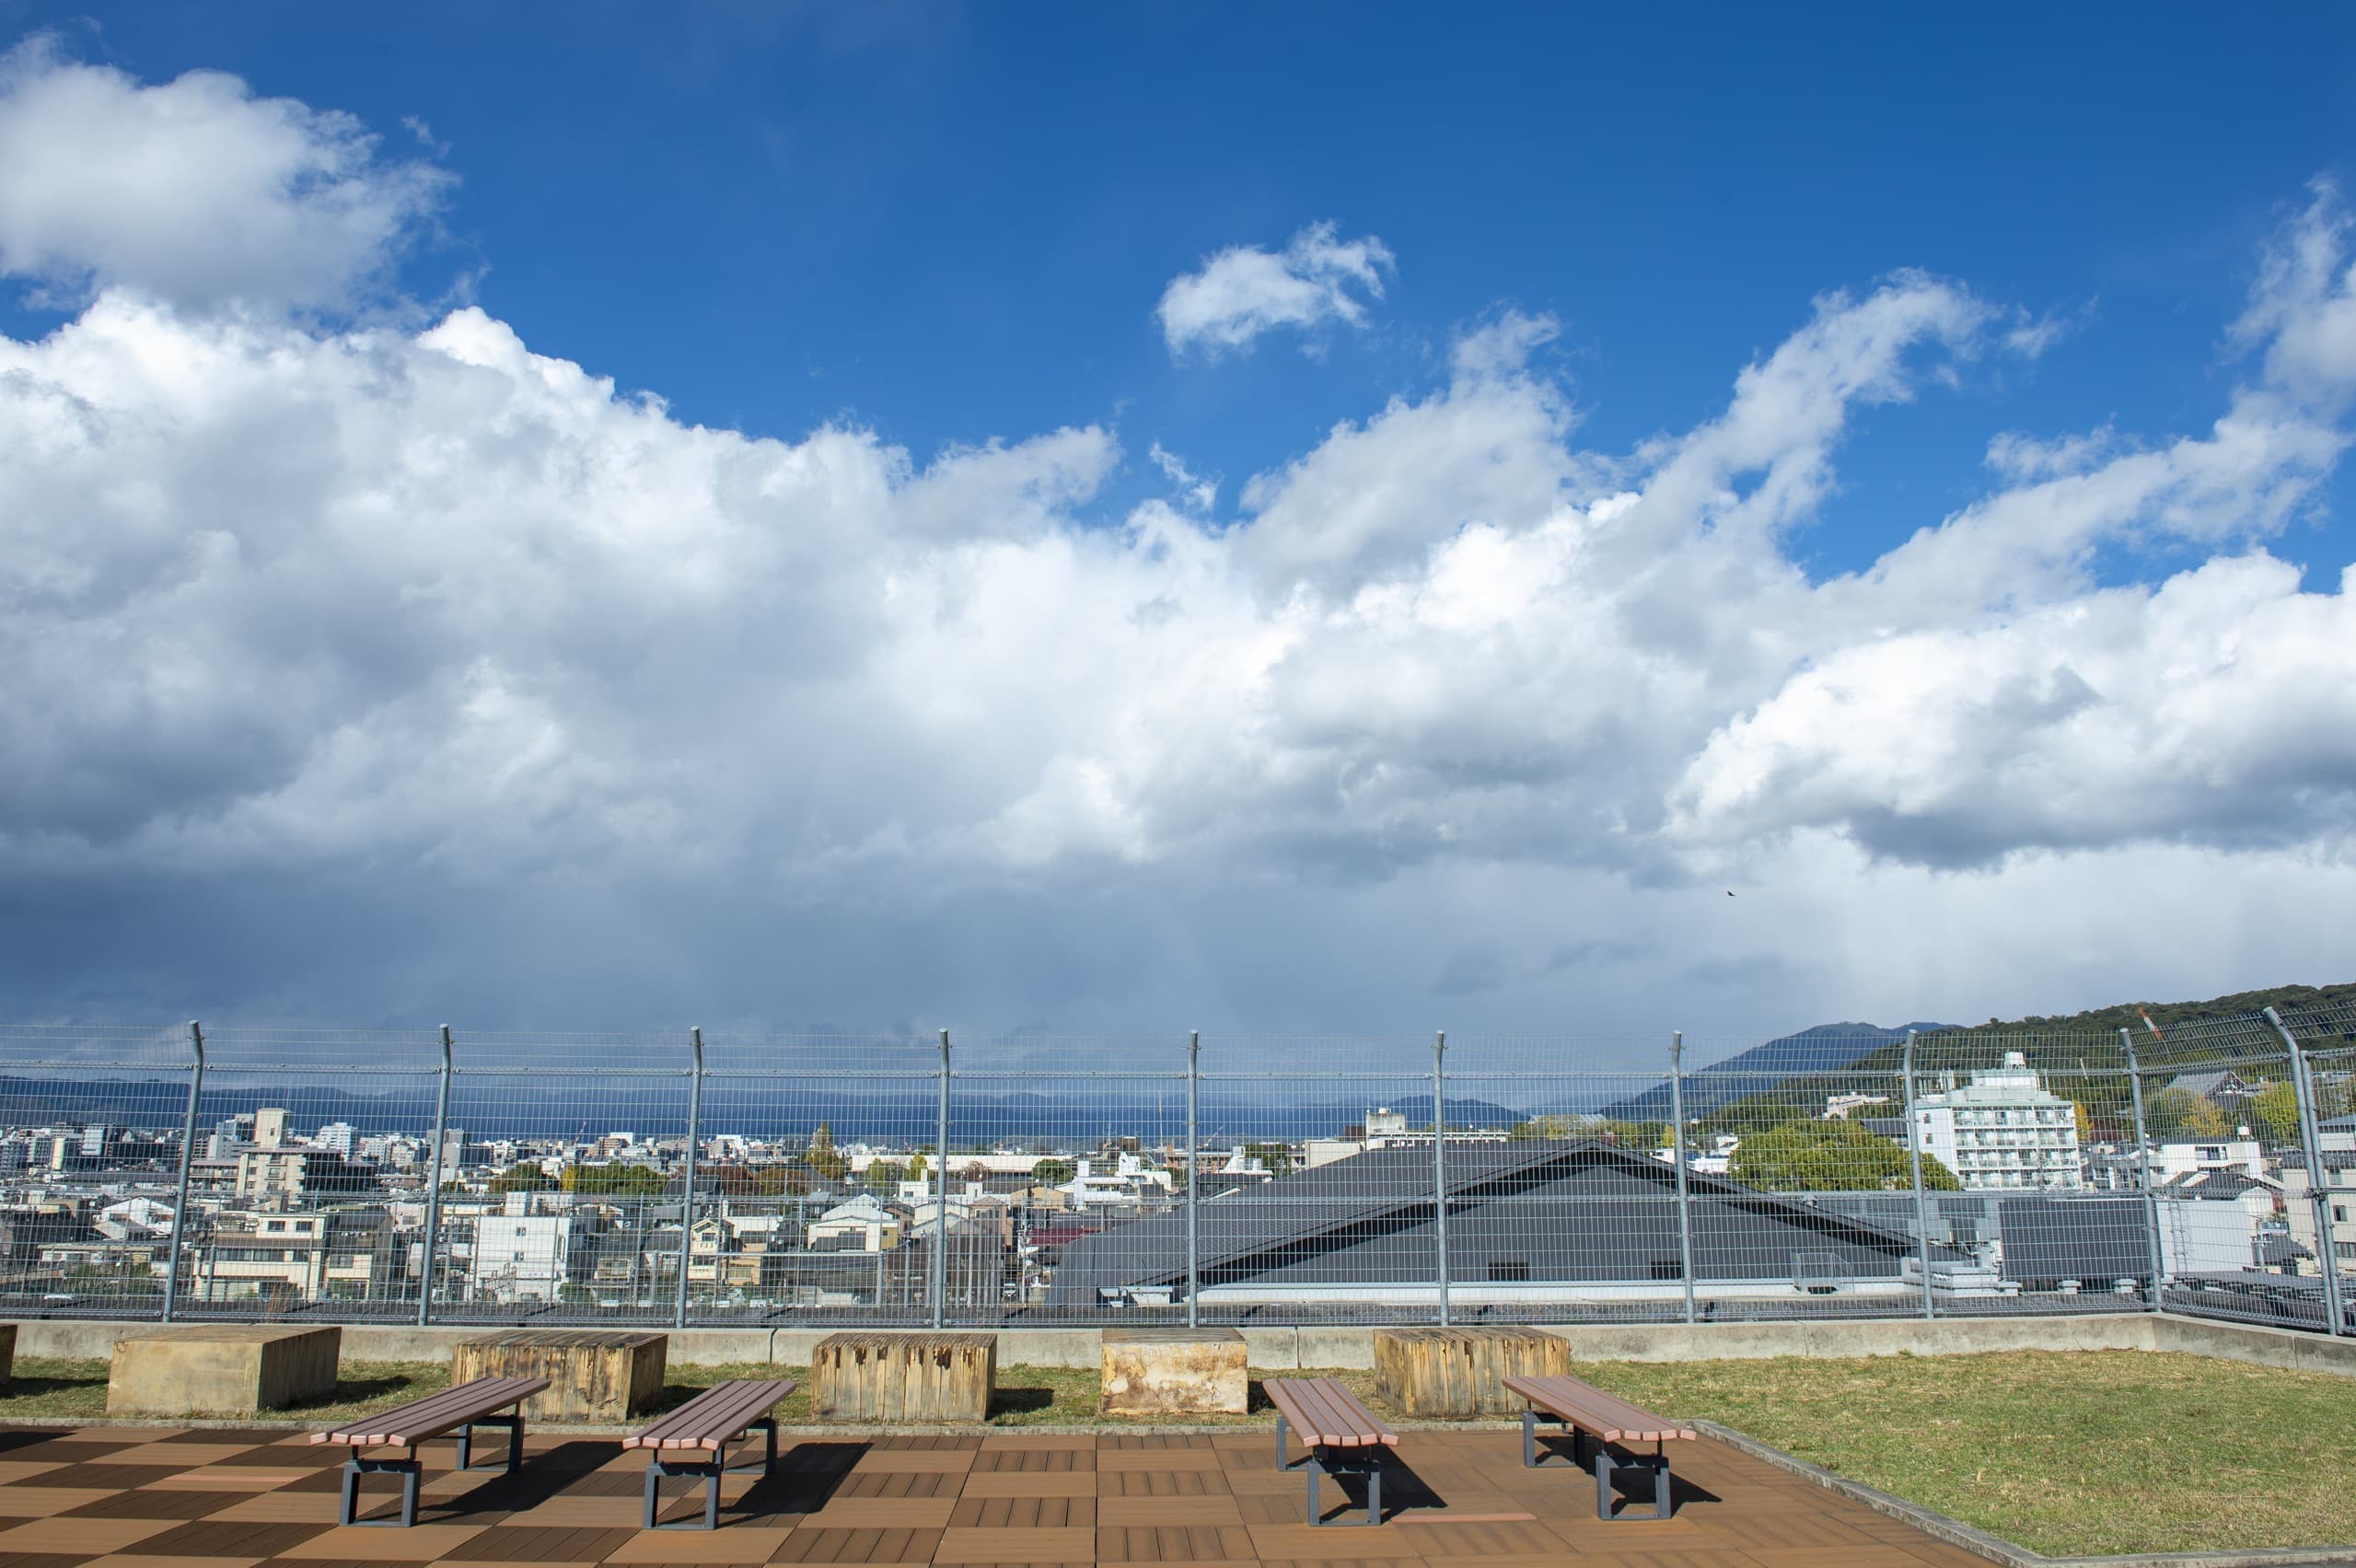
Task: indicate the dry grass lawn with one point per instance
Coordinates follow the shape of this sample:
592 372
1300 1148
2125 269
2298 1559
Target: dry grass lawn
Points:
2068 1453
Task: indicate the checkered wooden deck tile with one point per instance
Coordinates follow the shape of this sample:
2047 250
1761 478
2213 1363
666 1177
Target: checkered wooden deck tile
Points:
134 1498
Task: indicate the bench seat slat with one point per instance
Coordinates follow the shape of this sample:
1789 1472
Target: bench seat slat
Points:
437 1415
726 1410
1612 1418
1328 1414
714 1417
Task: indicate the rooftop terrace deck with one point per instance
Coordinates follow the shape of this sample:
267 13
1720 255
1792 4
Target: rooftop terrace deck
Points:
147 1498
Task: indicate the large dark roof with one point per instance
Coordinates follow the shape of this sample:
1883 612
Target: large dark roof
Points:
1562 1211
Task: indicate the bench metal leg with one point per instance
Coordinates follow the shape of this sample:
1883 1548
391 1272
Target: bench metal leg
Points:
514 1425
1315 1461
356 1467
708 1472
1607 1463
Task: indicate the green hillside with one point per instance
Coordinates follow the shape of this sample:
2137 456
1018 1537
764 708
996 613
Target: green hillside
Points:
2079 1054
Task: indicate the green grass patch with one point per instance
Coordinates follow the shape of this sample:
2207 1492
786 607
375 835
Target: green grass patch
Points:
2068 1453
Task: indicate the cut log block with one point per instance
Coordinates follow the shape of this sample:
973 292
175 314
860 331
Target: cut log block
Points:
1438 1373
222 1369
593 1375
906 1376
1175 1372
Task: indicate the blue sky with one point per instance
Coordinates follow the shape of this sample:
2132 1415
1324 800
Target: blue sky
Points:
928 228
953 226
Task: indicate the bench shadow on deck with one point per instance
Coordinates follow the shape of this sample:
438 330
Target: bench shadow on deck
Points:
1451 1500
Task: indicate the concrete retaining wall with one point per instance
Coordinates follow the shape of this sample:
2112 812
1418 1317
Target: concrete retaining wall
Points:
1353 1346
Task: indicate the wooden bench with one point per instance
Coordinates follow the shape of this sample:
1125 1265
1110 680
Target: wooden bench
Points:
1588 1410
706 1425
453 1410
1342 1436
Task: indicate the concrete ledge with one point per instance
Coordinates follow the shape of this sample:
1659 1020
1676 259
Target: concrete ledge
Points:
1872 1335
1286 1349
2292 1348
1995 1548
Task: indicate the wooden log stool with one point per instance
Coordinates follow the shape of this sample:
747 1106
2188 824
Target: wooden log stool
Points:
904 1376
593 1375
1450 1374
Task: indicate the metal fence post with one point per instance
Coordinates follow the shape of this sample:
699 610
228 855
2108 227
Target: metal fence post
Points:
1914 1149
1440 1162
1677 1151
941 1187
1193 1160
686 1194
434 1184
187 1155
2318 1185
2143 1167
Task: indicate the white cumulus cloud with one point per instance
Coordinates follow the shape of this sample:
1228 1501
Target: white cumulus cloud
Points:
194 190
1244 291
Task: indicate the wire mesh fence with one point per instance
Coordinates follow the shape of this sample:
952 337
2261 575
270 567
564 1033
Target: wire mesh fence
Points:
187 1173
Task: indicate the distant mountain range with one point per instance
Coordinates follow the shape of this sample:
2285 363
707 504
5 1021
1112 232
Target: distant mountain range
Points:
490 1104
565 1108
1827 1047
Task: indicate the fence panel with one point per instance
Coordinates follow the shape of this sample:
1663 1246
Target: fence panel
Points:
820 1183
95 1118
1069 1181
560 1168
1102 1181
1563 1189
307 1182
1316 1187
1803 1196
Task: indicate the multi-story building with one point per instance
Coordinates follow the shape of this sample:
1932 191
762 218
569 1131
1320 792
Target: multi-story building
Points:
2299 1209
520 1255
293 1172
2002 1130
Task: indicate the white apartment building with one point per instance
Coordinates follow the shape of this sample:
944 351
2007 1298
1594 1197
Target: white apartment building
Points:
520 1255
2002 1130
2241 1156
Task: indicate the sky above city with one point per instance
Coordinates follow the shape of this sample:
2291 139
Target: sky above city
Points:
1319 519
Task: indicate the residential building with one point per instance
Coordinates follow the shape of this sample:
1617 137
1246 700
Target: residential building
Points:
2224 1088
291 1171
520 1255
859 1224
2299 1209
2243 1155
2002 1130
